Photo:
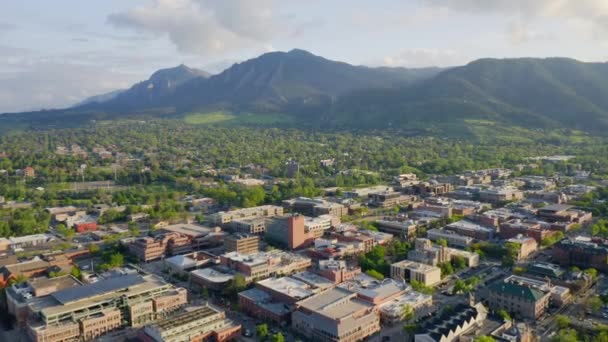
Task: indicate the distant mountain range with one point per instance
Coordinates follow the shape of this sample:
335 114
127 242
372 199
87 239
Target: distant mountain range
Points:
314 91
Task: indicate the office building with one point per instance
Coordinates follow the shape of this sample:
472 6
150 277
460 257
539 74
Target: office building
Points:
582 252
471 229
452 238
223 218
335 315
153 248
195 324
524 297
315 207
411 270
337 270
242 243
450 325
90 311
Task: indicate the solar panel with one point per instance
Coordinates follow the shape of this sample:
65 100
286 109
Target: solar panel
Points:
100 287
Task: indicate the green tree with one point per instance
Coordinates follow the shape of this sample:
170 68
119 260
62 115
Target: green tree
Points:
562 321
278 337
75 272
375 274
484 339
407 312
262 331
505 315
591 272
446 269
566 335
593 304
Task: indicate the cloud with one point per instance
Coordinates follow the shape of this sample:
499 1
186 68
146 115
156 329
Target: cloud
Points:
204 26
594 13
420 57
56 85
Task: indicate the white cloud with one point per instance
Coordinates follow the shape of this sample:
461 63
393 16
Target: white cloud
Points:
56 85
593 13
204 26
418 58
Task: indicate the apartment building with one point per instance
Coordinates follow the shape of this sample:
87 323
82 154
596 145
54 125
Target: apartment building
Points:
426 253
153 248
337 270
564 213
315 207
452 238
388 199
534 229
92 310
471 229
248 226
222 218
335 315
242 243
196 324
265 264
527 246
582 252
411 270
524 297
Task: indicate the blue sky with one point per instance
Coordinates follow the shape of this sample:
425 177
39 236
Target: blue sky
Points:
56 53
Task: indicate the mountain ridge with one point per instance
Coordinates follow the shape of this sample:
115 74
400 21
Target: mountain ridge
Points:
318 92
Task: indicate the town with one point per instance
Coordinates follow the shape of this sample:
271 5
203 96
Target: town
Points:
495 254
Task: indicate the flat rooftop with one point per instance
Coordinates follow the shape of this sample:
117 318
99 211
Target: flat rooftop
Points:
335 303
288 286
313 279
192 230
98 288
185 318
372 288
470 226
93 294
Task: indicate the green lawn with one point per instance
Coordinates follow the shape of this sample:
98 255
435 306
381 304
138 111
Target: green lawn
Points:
242 118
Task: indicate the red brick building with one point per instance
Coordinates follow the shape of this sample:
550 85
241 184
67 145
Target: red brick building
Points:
82 227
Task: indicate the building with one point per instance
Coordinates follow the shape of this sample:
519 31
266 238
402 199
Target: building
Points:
426 253
337 270
274 299
498 195
405 229
365 192
291 231
411 270
90 311
388 199
527 246
452 238
199 235
223 218
248 226
148 248
564 213
582 252
215 279
315 207
524 297
242 243
533 229
450 325
29 172
265 264
19 296
335 315
34 267
28 241
181 264
88 224
194 325
471 229
393 311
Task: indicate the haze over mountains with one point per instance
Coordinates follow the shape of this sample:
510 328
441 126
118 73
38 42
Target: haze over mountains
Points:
314 91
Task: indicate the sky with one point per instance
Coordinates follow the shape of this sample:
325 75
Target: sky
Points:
56 53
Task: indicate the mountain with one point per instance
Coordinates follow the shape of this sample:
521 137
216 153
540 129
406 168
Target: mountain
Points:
161 84
269 82
100 98
313 91
537 93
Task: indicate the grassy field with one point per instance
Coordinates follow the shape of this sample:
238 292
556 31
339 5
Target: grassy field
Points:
242 118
